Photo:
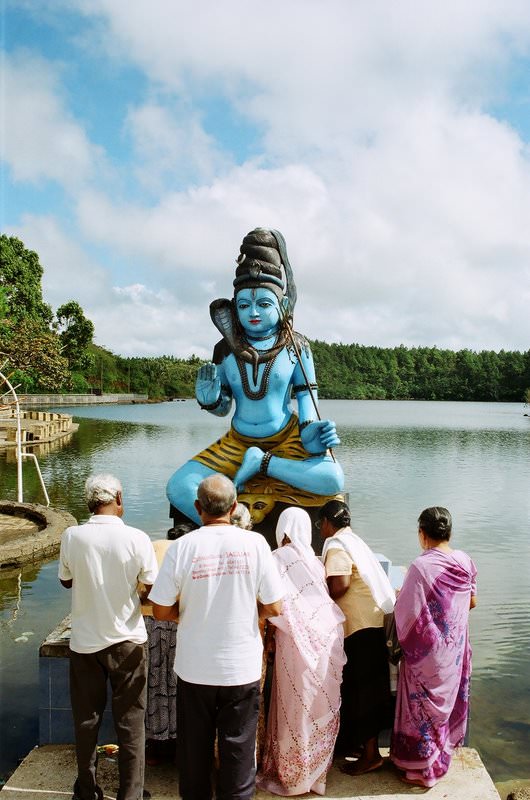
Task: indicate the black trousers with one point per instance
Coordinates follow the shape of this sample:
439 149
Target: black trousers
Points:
366 701
231 712
125 666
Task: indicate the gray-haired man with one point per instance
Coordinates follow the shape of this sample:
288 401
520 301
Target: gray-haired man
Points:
102 562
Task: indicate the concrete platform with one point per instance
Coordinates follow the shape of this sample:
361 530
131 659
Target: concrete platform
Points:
48 772
30 532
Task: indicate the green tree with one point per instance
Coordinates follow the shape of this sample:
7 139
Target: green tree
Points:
512 375
75 333
20 281
103 374
33 356
4 310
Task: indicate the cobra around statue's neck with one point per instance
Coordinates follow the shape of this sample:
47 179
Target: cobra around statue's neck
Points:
252 326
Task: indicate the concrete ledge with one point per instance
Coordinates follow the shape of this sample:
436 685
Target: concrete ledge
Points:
78 399
49 772
18 546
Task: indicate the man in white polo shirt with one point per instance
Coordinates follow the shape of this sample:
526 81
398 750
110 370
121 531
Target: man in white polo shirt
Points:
102 562
216 581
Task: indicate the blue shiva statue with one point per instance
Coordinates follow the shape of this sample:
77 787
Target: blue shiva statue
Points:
271 453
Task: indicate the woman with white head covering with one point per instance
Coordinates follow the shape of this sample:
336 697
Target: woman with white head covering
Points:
294 527
305 695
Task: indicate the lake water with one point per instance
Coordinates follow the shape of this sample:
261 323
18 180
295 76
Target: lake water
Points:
398 458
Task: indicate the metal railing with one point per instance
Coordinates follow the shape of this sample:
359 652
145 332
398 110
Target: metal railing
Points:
20 451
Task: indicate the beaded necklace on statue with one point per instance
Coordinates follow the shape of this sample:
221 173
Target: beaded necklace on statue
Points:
267 355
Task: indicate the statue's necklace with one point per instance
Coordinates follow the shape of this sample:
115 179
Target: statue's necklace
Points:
263 386
262 338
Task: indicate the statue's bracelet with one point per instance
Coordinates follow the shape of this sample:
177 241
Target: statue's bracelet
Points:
211 406
303 425
265 463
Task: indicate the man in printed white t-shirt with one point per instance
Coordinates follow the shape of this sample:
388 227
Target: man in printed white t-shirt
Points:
102 562
216 581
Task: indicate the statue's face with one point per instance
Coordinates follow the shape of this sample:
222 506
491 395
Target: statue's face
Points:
258 311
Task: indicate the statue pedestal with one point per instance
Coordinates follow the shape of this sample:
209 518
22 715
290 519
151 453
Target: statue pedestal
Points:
266 523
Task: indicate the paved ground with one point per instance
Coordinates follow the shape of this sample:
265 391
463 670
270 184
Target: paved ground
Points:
48 772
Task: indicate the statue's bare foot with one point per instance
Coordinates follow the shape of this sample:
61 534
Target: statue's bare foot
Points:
250 467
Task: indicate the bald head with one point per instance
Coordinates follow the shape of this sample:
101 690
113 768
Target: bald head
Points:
216 496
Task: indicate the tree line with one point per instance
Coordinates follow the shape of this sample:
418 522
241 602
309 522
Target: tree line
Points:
360 372
160 377
55 352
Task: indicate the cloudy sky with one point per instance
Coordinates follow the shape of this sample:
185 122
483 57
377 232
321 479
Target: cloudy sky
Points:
387 140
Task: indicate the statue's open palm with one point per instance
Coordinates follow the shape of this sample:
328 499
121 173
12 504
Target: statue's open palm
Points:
208 384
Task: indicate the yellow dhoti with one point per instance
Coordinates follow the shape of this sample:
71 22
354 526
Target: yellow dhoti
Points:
262 491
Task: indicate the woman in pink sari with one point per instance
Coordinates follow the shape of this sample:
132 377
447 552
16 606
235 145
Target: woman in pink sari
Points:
305 697
431 614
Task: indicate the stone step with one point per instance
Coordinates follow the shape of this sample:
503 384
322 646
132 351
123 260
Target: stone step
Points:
48 772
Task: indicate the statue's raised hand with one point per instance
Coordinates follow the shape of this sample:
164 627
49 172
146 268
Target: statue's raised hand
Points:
319 436
207 385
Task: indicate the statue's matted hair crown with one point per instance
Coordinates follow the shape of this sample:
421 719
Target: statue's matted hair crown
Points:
259 262
263 262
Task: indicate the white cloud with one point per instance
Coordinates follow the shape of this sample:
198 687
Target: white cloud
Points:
198 231
421 240
41 141
404 203
317 76
70 273
129 320
141 322
172 148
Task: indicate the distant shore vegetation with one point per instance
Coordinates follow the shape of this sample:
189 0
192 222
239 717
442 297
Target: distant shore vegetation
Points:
47 351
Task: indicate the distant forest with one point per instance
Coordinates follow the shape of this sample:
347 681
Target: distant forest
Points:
53 351
353 372
420 373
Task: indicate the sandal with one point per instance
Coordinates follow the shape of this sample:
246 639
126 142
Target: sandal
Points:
355 768
411 782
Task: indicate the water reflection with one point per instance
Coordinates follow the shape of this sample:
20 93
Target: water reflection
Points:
483 477
30 603
39 449
398 458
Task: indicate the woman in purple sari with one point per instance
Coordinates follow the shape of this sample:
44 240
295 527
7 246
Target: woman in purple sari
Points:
431 614
305 696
